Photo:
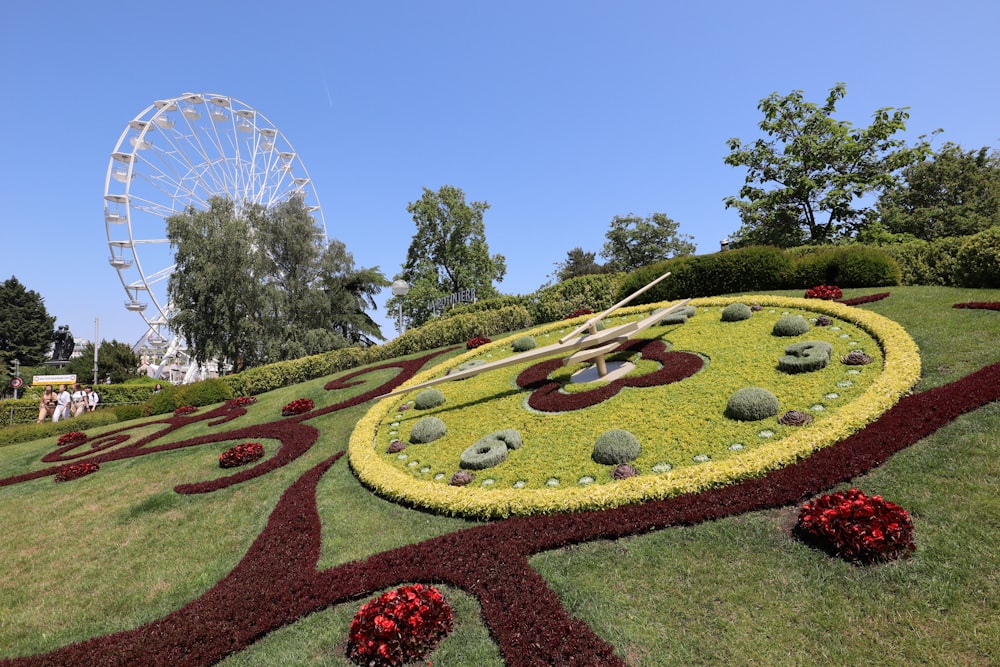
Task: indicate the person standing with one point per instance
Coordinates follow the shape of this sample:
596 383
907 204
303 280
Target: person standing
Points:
47 405
79 400
62 404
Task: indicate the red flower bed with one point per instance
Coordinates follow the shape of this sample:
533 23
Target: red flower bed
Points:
858 300
477 341
248 452
860 529
71 438
297 407
399 626
76 470
578 313
980 305
828 292
242 401
184 410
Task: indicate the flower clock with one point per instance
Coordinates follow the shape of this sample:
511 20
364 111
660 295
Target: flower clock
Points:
398 627
858 528
297 407
239 455
672 398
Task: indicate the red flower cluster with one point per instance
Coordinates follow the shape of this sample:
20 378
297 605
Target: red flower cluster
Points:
398 627
71 438
241 455
184 410
243 401
477 341
858 528
297 407
827 292
578 312
76 470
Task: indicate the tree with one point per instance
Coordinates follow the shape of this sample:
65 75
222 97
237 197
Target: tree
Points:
25 325
256 285
803 181
114 359
634 242
577 263
447 254
957 193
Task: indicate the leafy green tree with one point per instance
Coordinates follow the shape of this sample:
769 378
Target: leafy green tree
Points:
577 263
634 242
805 178
256 285
25 325
447 254
115 359
957 193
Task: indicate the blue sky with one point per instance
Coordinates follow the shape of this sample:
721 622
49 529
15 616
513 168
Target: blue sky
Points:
559 114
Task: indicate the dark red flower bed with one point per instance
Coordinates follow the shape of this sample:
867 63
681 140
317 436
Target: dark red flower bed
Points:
76 470
241 454
547 397
71 438
827 292
242 401
399 626
979 305
858 300
297 407
858 528
184 410
578 313
278 579
477 342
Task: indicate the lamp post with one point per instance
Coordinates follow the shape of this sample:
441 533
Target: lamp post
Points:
399 289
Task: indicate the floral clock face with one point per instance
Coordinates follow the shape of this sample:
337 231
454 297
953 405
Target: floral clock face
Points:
672 399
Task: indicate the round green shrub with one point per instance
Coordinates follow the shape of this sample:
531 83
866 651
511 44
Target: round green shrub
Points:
127 412
204 392
490 450
790 325
616 446
428 398
524 343
735 312
805 356
427 429
466 365
752 404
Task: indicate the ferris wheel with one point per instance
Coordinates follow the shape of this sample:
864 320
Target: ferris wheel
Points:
179 153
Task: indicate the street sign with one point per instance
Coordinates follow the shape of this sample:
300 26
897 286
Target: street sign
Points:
15 383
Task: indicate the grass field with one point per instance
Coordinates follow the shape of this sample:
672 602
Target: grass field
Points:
121 548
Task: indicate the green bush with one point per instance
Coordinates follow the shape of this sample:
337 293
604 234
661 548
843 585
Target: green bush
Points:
161 403
204 392
844 266
616 446
790 325
736 312
752 404
805 356
27 432
428 398
126 412
928 263
979 259
490 450
524 343
427 429
593 291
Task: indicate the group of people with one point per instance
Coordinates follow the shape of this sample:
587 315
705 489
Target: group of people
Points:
62 404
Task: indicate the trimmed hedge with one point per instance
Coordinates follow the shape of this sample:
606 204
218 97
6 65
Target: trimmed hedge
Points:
595 292
963 261
844 266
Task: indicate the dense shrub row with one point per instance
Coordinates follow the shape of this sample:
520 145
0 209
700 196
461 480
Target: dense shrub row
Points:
965 261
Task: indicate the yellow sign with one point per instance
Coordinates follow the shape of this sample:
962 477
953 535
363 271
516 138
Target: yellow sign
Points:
37 380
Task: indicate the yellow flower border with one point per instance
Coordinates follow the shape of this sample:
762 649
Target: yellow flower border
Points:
900 372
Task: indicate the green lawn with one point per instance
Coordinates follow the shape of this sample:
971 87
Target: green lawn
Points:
120 548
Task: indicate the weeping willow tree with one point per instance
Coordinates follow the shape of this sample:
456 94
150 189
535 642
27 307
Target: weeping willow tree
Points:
255 285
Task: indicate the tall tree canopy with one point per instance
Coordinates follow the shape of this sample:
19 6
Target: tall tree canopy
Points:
25 325
114 359
448 253
955 194
255 285
634 242
578 263
804 180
